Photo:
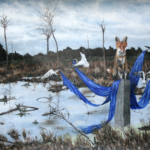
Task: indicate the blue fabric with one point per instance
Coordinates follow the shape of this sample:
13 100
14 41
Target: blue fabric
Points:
143 102
111 97
114 91
136 68
99 90
111 92
95 88
73 89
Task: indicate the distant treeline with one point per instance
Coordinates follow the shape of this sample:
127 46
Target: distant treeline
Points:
68 54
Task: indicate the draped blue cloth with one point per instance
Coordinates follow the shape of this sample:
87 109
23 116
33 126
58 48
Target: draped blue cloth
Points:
95 88
111 92
143 102
136 68
73 89
91 128
99 90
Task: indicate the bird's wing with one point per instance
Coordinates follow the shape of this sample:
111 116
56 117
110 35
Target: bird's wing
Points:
87 64
49 73
83 56
84 60
80 63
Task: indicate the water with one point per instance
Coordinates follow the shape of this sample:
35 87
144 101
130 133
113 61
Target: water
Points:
65 99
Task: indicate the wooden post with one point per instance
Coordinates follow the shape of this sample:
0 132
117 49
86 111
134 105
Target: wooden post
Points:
122 112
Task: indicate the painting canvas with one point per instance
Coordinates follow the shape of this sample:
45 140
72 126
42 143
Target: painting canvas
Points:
74 74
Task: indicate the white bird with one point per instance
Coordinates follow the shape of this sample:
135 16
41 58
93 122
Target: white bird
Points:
83 62
50 73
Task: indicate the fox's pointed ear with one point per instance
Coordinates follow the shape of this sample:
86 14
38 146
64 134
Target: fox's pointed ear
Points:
125 39
117 39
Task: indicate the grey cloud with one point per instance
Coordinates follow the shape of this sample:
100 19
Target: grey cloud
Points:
75 21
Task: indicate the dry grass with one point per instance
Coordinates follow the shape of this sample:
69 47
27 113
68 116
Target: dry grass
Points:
107 138
95 70
47 141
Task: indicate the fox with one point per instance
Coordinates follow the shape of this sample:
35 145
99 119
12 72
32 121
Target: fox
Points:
120 61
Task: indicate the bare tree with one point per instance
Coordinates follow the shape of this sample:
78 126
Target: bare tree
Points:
88 48
5 23
47 17
45 29
47 32
11 43
103 26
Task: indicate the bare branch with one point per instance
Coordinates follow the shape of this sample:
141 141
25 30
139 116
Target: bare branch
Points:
18 107
56 113
4 21
4 24
103 26
47 27
46 18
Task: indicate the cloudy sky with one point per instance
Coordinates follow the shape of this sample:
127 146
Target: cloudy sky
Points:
75 20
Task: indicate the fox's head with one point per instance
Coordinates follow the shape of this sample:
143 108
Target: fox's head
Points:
121 46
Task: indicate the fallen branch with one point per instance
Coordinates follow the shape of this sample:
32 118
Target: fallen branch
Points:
18 107
7 112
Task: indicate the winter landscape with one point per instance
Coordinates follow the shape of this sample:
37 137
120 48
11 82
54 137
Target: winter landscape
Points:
59 61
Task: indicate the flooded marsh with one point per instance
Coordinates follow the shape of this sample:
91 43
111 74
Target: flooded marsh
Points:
36 99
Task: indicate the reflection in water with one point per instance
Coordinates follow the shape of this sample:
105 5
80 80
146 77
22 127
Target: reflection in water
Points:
35 122
49 122
3 84
44 84
26 85
34 85
23 114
